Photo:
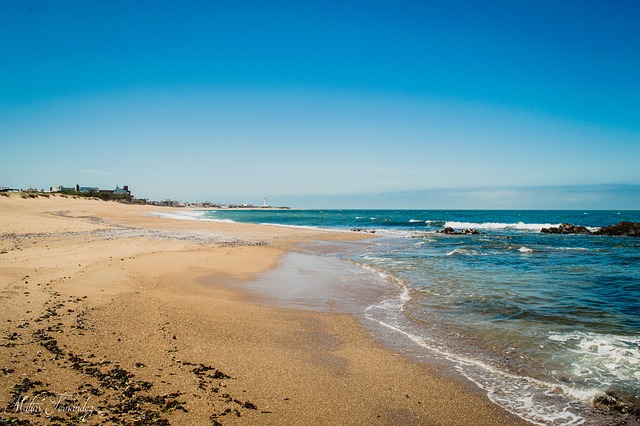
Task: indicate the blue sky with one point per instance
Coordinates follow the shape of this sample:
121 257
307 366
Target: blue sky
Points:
326 104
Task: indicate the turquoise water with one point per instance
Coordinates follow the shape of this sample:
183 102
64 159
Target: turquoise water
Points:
545 324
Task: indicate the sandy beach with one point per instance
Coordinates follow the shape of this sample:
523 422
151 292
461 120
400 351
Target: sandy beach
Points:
112 315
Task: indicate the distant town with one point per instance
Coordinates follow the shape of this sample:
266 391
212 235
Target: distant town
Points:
123 194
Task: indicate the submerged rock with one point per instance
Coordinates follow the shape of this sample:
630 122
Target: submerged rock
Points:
612 402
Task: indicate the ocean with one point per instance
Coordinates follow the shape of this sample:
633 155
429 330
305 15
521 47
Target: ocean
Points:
548 326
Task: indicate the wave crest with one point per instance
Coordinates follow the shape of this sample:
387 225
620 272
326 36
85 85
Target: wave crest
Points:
497 225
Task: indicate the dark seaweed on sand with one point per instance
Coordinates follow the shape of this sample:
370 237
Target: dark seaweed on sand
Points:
115 395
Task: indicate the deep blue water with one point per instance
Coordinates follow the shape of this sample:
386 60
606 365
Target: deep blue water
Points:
546 324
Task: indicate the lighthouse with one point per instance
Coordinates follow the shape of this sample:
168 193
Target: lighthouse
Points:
265 201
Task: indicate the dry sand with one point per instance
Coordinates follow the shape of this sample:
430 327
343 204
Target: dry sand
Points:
110 315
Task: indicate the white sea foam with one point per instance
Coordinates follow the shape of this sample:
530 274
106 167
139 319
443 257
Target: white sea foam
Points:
465 252
519 395
524 249
382 274
307 227
606 357
199 215
497 225
183 215
415 221
538 401
394 233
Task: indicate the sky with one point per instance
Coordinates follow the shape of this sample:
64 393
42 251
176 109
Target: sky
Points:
395 104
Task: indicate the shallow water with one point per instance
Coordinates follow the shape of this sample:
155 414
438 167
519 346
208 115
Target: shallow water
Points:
545 324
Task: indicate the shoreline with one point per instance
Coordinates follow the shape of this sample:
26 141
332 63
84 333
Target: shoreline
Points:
107 304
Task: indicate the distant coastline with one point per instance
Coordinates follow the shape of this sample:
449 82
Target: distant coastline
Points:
124 195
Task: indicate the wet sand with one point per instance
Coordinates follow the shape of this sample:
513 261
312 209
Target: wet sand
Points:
110 315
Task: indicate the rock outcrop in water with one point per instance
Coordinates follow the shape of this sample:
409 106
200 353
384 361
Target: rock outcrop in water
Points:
450 231
625 229
622 229
368 231
566 228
